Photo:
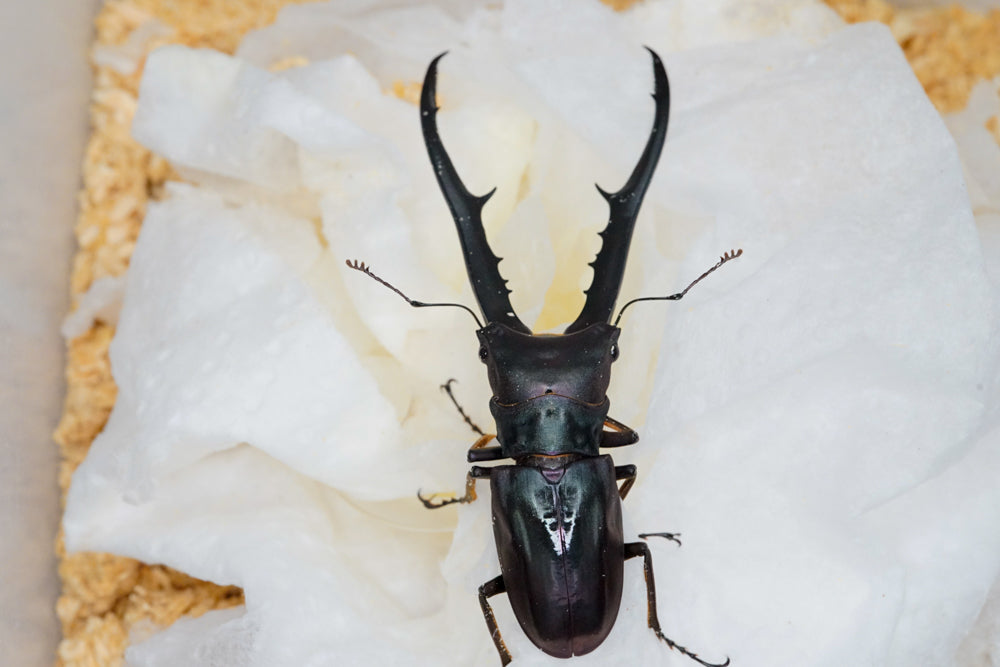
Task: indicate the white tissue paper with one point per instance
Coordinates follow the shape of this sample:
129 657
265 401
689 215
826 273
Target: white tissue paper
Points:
818 418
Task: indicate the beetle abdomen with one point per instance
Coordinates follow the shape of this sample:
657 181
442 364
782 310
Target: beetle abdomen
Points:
559 539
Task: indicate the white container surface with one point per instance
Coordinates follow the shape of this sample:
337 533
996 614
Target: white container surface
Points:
43 125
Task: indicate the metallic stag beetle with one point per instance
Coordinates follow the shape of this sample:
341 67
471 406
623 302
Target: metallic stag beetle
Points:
557 514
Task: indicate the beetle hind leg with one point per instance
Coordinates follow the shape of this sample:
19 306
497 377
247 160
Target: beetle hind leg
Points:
633 549
493 587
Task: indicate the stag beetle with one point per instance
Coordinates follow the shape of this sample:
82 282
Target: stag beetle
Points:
557 514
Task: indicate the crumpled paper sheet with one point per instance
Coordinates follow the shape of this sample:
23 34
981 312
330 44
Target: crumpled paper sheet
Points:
818 419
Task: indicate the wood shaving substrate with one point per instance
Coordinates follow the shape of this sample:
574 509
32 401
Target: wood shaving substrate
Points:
105 597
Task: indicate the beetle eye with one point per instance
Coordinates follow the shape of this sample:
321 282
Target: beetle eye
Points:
613 351
483 353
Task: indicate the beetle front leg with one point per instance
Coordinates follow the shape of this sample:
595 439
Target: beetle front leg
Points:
620 435
633 549
446 388
470 490
493 587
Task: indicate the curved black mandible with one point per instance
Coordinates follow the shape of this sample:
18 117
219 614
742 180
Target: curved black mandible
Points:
481 264
609 266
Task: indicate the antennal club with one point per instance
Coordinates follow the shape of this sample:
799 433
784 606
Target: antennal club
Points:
732 254
365 269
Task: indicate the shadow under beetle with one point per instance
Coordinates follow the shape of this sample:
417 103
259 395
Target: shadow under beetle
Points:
557 515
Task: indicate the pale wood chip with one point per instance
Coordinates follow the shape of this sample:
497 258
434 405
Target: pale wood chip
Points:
993 125
950 49
290 62
408 91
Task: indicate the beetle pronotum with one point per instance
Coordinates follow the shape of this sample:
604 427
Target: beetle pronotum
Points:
557 514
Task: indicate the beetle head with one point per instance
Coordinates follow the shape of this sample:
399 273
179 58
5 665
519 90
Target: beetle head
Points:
523 367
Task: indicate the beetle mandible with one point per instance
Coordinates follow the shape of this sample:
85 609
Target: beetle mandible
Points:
557 514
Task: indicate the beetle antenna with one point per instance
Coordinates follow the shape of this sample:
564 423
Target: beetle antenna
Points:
732 254
363 268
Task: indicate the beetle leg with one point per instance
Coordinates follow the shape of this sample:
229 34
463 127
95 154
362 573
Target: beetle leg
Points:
628 474
478 452
483 441
493 587
446 388
485 454
673 537
633 549
470 490
620 435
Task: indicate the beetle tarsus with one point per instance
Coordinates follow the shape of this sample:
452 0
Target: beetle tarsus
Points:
633 549
470 495
673 537
694 656
476 472
432 504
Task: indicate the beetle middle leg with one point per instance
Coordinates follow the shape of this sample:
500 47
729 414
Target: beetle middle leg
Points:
673 537
470 486
627 473
493 587
633 549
